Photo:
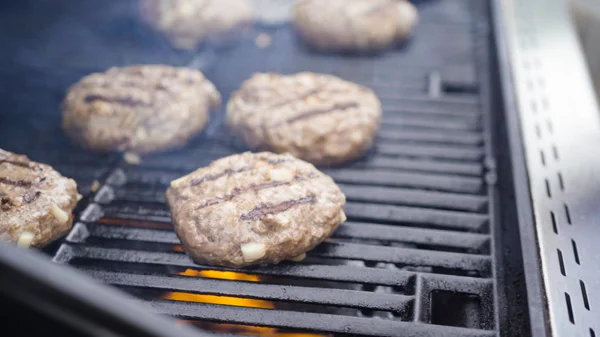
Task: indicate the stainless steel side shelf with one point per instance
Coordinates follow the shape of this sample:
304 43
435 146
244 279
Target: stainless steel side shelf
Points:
560 128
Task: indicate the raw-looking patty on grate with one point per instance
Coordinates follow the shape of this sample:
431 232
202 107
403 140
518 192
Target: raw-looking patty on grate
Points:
354 25
35 201
254 208
318 118
141 108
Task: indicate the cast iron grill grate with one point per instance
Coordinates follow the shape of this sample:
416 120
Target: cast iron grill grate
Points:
417 254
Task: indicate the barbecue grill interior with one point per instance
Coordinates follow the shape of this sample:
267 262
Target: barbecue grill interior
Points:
431 245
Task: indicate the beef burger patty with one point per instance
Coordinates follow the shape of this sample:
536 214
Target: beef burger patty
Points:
254 208
35 201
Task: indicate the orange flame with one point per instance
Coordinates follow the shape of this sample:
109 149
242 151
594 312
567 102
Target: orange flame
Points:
232 301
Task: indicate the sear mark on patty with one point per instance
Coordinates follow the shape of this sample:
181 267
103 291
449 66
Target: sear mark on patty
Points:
128 101
316 112
252 187
227 172
31 196
239 190
16 163
18 183
294 99
274 161
266 209
277 161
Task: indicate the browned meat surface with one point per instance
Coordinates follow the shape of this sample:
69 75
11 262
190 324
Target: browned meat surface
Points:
315 117
251 209
138 108
35 201
354 25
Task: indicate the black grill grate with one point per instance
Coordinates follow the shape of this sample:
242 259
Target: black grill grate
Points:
417 256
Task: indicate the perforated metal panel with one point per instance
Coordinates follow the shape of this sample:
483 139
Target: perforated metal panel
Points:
561 131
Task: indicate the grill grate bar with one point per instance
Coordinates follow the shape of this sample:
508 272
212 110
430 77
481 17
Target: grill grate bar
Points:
400 164
129 213
383 89
389 195
167 162
404 196
437 151
132 194
411 215
429 110
404 76
448 101
434 181
431 119
439 238
309 295
400 122
406 256
459 140
306 320
431 181
422 216
393 106
469 241
339 273
421 165
343 273
477 286
427 137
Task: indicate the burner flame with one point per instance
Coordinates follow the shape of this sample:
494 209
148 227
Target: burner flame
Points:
224 300
246 330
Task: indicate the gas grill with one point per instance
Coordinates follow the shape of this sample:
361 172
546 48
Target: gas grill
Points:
434 245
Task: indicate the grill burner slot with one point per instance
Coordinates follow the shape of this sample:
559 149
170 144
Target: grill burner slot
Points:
455 309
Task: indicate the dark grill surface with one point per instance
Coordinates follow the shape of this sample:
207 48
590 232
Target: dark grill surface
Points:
417 256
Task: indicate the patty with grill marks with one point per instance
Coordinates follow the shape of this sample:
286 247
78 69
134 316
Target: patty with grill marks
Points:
315 117
254 208
188 23
354 25
143 108
36 202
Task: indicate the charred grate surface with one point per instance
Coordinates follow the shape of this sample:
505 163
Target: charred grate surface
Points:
418 254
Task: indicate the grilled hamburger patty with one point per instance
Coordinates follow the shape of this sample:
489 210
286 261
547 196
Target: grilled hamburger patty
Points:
254 208
186 24
142 108
318 118
35 200
354 25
